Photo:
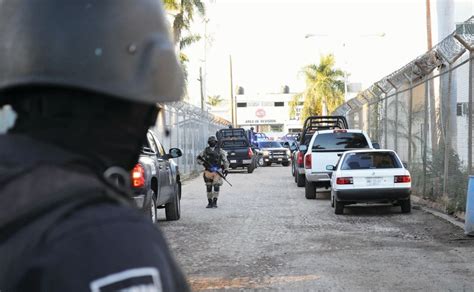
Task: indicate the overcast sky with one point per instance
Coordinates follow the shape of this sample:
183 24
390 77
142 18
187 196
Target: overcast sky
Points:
267 41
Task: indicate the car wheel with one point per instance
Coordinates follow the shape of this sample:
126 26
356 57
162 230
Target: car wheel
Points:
260 161
300 180
285 163
250 168
332 200
173 209
310 190
405 206
338 207
152 209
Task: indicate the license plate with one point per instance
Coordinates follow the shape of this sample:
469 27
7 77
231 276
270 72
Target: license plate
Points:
233 161
280 159
374 181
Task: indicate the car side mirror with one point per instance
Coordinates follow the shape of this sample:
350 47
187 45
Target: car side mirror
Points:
376 145
303 148
405 165
293 147
330 167
175 153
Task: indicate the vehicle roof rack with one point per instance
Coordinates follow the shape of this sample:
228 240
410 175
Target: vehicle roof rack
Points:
231 133
318 123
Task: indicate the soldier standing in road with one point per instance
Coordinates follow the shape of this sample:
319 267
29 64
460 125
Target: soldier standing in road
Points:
215 160
84 78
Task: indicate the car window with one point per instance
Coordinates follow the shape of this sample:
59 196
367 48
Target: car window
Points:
159 148
151 143
370 160
339 141
269 144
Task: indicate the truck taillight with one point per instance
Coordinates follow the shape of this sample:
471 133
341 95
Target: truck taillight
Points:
250 153
344 181
308 161
402 179
299 159
138 176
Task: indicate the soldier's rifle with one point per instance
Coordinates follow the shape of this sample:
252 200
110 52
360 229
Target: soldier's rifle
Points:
207 165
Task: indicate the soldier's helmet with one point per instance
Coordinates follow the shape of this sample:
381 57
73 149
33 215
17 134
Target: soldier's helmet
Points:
120 48
212 139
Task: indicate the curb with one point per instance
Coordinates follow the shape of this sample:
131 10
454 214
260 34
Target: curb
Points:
443 216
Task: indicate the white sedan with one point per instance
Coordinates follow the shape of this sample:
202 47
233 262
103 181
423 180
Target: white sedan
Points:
363 176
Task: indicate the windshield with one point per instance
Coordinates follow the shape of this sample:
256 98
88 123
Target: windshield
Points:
234 144
269 144
370 160
339 141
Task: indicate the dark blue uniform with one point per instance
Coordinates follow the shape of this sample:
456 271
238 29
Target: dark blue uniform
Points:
62 228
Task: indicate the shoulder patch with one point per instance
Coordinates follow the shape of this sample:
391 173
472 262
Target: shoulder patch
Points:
133 280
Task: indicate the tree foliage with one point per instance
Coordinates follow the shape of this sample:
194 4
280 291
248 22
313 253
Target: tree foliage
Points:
184 12
324 87
214 100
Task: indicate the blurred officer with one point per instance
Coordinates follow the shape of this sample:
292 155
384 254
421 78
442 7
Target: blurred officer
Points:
215 161
84 78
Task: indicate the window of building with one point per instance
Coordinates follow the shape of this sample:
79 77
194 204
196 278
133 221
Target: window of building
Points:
279 103
241 104
462 109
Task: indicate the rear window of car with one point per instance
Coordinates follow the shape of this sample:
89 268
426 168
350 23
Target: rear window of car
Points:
234 144
339 141
370 160
269 145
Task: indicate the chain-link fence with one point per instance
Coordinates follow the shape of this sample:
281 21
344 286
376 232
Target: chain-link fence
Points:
424 112
184 126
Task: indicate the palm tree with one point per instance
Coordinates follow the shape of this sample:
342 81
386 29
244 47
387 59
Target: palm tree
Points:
214 100
184 11
324 87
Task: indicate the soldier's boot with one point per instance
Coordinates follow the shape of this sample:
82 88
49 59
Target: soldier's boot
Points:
210 205
214 203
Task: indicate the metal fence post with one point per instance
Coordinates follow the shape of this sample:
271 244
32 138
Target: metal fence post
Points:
447 133
410 107
395 136
425 133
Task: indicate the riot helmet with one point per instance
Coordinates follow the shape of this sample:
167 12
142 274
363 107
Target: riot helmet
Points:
92 66
212 141
118 48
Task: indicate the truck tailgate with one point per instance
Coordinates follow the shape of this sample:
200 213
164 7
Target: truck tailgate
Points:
319 160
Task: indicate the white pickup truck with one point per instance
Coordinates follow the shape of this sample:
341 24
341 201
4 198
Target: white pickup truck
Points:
325 149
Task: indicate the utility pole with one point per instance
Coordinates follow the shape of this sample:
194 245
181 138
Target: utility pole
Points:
201 82
232 93
433 122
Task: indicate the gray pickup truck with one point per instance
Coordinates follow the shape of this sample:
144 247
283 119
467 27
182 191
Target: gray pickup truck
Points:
156 181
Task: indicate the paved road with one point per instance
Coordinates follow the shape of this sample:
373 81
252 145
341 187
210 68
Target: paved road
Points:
268 236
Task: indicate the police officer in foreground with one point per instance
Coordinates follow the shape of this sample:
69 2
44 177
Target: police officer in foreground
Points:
214 160
84 78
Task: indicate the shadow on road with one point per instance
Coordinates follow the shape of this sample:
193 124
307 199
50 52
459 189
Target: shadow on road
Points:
371 209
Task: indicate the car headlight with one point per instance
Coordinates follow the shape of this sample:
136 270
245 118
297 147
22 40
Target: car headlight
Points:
266 153
288 153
